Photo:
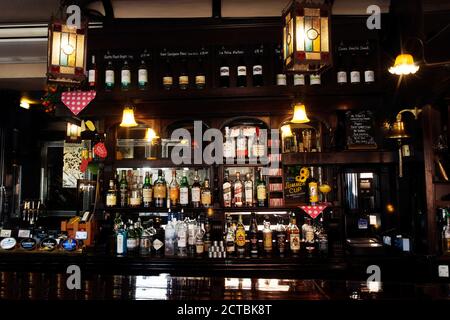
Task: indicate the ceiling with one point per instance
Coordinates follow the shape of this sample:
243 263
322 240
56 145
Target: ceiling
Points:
26 48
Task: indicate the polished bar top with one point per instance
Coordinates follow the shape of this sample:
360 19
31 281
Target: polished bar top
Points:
50 286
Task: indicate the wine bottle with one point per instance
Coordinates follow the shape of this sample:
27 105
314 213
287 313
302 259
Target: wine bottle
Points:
224 80
355 74
257 72
109 77
92 74
241 73
200 77
142 76
281 79
167 79
125 76
183 79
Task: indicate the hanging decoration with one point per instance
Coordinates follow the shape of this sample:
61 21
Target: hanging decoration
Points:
76 101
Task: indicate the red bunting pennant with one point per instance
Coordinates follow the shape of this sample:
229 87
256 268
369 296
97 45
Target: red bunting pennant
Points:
76 101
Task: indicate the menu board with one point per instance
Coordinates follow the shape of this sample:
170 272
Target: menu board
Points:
360 130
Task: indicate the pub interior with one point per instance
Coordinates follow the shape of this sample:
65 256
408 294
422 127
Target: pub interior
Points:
225 149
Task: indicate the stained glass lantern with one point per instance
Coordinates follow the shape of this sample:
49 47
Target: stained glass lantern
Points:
66 53
306 37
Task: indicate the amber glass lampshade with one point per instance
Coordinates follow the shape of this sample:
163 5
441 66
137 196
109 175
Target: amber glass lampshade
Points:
300 115
398 130
403 65
128 118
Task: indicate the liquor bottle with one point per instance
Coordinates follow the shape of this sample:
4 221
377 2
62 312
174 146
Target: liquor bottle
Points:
174 190
160 191
158 239
261 191
199 238
248 191
229 146
258 146
240 237
196 191
207 241
281 79
241 145
227 195
369 74
294 236
123 187
322 239
169 236
125 76
280 237
192 231
238 191
121 240
183 79
308 236
182 236
111 196
253 235
299 79
314 79
224 79
229 237
143 76
167 76
257 72
313 192
92 74
132 240
206 194
147 191
355 74
200 77
267 236
135 198
341 70
241 73
109 77
184 190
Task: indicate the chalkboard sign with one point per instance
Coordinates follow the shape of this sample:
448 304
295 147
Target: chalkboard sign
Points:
360 130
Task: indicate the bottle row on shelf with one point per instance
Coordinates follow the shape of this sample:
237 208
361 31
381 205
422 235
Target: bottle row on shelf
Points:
183 237
135 191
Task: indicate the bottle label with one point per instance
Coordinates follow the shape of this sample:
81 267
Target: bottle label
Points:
136 201
342 77
261 192
313 193
167 81
111 200
309 235
206 198
181 240
174 194
157 244
200 80
191 234
281 79
314 79
109 77
238 195
196 194
147 195
229 150
249 194
120 241
143 76
91 76
299 80
281 241
242 71
267 240
355 77
257 69
183 80
369 76
240 237
241 148
224 71
294 241
227 194
126 76
160 191
131 243
200 248
184 195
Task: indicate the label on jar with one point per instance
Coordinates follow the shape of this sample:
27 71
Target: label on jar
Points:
294 241
196 194
257 69
369 76
183 80
224 71
91 76
342 77
299 80
184 195
281 79
126 76
200 79
111 200
242 71
355 77
142 76
109 77
167 81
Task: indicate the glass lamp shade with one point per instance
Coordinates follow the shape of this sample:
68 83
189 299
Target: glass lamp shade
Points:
403 65
300 115
128 118
306 37
286 131
150 134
